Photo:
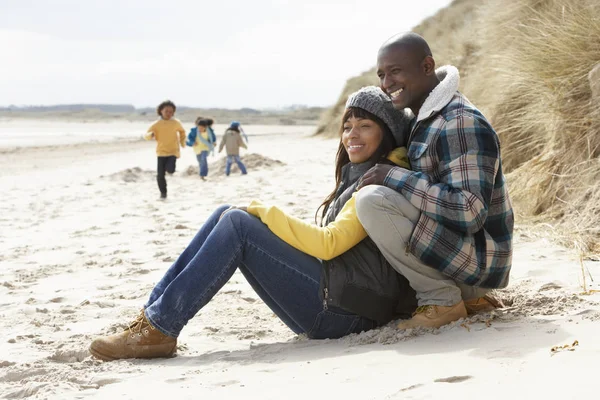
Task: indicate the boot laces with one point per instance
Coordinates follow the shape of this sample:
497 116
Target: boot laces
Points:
139 325
427 310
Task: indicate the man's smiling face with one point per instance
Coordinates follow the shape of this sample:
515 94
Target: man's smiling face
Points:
402 76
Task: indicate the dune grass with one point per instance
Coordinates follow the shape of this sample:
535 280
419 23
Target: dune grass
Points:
525 64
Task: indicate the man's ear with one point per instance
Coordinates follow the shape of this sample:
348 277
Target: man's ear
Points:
428 65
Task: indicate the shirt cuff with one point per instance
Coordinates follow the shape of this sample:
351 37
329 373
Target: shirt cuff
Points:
396 178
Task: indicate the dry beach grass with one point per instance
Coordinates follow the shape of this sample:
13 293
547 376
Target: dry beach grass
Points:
529 66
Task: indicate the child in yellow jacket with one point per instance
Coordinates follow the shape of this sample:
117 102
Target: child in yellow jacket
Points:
169 135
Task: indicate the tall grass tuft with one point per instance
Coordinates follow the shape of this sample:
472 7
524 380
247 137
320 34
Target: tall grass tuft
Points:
526 65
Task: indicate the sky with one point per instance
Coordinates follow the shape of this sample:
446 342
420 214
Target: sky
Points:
219 53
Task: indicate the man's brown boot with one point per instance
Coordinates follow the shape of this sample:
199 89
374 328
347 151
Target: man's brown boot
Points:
482 304
139 340
434 316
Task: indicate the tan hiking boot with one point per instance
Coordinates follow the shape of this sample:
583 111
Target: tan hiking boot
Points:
139 340
482 304
434 316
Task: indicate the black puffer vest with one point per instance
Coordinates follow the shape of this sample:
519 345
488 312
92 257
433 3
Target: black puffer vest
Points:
361 281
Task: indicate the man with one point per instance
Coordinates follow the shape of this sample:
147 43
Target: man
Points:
446 225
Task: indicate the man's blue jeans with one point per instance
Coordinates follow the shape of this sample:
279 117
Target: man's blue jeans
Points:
202 162
230 160
286 279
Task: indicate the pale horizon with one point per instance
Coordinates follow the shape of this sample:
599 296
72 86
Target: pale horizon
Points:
265 54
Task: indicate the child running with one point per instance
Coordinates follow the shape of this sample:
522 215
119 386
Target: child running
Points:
169 135
232 141
200 139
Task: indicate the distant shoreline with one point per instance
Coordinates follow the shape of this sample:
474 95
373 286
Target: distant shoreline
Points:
248 116
188 119
27 133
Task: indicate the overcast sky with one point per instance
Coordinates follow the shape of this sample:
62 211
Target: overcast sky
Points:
219 53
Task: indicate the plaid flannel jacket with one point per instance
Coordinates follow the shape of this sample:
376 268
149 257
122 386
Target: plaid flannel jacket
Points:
466 224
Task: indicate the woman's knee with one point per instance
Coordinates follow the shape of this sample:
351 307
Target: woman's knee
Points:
242 219
221 209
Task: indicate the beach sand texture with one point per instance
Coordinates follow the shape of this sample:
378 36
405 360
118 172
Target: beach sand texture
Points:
83 238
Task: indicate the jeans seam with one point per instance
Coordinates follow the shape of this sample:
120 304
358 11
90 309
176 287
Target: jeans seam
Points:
355 319
310 332
213 283
354 324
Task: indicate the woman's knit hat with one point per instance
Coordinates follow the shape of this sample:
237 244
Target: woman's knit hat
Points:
375 101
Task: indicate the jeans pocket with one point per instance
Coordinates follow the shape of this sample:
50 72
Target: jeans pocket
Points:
332 325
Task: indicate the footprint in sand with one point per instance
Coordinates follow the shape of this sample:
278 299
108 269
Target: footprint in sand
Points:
69 356
4 364
17 375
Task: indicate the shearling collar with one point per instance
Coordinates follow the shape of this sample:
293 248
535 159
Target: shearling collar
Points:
442 94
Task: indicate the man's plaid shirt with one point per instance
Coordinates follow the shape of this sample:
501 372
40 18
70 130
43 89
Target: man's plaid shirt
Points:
466 224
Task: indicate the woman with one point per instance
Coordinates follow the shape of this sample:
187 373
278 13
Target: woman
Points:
350 288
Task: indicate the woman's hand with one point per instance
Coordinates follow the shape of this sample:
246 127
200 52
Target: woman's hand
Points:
245 209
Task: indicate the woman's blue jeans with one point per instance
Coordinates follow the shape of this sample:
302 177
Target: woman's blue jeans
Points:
202 162
286 279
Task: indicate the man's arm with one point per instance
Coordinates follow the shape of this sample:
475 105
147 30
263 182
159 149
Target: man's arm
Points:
469 161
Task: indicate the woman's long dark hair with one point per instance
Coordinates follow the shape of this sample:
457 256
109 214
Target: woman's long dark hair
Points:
388 143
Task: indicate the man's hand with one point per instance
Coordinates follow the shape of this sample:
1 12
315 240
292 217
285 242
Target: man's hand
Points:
375 176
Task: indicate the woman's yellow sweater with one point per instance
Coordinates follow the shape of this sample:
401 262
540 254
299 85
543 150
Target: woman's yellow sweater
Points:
325 242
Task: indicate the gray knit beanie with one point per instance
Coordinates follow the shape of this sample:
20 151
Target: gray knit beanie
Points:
375 101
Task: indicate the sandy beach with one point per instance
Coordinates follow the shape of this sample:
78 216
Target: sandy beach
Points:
83 238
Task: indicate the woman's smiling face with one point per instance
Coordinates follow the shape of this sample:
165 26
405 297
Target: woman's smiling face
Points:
361 138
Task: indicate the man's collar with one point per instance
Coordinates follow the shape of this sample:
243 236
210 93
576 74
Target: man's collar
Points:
442 94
